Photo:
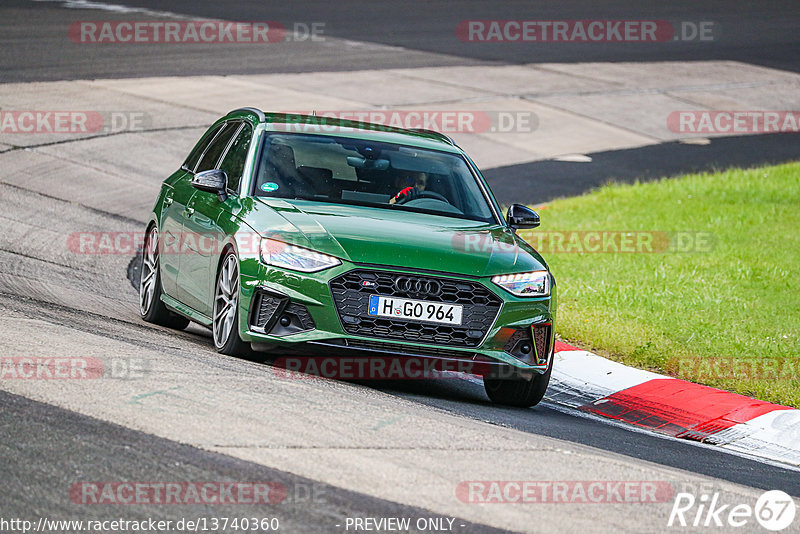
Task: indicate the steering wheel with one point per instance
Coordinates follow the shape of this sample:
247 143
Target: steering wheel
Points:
424 194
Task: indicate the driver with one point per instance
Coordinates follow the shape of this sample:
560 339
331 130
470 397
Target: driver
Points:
411 192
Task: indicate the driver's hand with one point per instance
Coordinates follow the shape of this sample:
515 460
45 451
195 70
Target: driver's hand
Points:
409 193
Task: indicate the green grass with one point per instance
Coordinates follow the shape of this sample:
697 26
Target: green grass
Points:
699 314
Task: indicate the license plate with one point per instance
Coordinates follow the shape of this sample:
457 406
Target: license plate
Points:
418 310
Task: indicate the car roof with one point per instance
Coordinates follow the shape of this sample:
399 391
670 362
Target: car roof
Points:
323 125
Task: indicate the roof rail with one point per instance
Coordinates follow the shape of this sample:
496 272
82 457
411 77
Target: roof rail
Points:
440 135
257 111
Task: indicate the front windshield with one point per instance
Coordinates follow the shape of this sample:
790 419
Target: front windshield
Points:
369 173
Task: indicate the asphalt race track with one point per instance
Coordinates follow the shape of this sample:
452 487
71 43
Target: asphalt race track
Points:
177 411
762 33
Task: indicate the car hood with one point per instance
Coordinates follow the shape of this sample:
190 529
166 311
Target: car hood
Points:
394 237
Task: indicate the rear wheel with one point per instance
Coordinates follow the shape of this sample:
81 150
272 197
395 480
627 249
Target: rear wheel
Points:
518 391
225 324
151 308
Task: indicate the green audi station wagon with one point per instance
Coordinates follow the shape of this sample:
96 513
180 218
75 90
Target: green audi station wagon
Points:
314 236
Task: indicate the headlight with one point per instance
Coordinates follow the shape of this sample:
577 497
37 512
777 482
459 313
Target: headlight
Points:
295 258
534 284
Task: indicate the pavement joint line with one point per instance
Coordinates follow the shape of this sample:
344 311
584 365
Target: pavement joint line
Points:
50 262
32 228
545 68
186 336
232 78
455 85
353 43
691 102
60 307
332 41
136 398
100 136
119 8
653 91
244 80
80 163
596 120
169 103
491 137
621 91
487 98
96 211
386 448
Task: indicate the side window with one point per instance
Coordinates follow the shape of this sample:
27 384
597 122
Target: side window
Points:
234 160
197 151
217 146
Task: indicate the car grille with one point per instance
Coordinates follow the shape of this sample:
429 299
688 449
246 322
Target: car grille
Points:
351 292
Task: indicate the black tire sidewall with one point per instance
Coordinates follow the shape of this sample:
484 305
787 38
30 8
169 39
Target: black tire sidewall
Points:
518 392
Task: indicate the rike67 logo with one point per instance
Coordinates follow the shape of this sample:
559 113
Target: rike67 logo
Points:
774 510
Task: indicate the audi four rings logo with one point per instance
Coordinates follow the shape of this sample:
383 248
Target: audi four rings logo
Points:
418 286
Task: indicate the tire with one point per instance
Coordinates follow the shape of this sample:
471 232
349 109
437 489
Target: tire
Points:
518 392
151 308
225 312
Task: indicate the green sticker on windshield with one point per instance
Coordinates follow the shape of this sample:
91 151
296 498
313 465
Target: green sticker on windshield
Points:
269 187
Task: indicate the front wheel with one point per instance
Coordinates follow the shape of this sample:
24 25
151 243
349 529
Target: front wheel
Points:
225 325
518 391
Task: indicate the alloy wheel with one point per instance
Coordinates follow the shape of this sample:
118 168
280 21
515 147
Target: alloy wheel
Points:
226 298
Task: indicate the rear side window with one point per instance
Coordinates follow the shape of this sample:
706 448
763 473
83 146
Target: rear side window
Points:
217 146
234 160
199 148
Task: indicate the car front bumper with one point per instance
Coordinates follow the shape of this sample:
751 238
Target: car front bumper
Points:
301 317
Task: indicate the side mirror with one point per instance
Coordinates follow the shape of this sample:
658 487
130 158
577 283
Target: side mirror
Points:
520 216
212 181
